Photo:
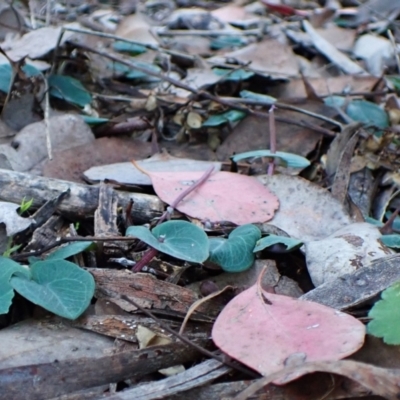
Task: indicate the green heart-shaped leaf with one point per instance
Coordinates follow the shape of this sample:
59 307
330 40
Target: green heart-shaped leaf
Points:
270 240
392 241
8 268
367 112
289 159
235 254
246 94
228 116
233 75
179 239
69 250
69 89
58 286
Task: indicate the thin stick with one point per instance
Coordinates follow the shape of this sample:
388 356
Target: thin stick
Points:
47 117
188 341
122 39
284 106
187 191
272 139
23 256
152 252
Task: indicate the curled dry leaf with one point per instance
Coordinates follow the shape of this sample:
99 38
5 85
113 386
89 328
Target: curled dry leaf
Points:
380 381
267 331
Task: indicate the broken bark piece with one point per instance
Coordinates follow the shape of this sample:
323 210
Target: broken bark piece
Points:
144 289
313 386
45 381
353 289
125 327
46 234
82 201
198 375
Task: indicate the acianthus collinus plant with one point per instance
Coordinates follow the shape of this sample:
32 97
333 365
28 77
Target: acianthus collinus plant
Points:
55 284
288 159
186 241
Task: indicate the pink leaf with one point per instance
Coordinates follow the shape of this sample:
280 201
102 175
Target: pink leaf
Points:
268 331
223 197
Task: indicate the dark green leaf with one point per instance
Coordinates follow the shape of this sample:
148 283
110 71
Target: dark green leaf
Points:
58 286
69 89
6 74
368 113
69 250
233 75
131 48
226 42
131 73
289 159
270 240
179 239
335 101
8 268
392 241
235 254
373 221
94 120
228 116
246 94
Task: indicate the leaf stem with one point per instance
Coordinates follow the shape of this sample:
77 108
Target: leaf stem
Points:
147 257
151 253
272 138
187 191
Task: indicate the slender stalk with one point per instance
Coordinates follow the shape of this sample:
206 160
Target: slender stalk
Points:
151 253
272 139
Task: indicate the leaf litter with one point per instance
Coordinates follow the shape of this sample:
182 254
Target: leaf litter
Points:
200 83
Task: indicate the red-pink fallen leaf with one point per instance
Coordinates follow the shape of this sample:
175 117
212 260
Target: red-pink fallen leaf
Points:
269 331
223 197
284 10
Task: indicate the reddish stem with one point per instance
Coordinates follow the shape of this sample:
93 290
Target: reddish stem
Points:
272 138
147 257
151 253
190 189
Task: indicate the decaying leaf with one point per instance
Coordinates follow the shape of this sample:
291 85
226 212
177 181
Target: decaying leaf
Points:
307 212
223 197
267 331
345 251
358 287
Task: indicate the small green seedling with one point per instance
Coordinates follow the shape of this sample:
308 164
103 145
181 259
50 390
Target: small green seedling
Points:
10 248
179 239
25 205
55 284
271 240
235 254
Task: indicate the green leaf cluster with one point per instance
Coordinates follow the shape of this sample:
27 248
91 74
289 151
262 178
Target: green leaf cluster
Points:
55 284
186 241
61 86
235 254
